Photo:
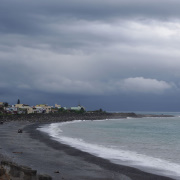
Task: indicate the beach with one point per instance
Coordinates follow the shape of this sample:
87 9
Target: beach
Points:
36 150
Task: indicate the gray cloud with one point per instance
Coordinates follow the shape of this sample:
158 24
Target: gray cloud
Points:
143 85
89 49
33 17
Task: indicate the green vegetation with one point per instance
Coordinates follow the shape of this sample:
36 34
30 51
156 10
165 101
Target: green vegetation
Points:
62 110
5 104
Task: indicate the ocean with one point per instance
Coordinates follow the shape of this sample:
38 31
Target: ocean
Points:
149 144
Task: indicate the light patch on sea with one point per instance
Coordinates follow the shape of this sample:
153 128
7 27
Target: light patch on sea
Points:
150 144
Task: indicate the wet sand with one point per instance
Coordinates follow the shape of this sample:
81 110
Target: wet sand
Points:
35 149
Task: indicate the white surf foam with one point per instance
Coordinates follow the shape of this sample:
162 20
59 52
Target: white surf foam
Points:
118 156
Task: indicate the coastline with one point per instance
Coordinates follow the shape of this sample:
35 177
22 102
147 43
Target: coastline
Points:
62 117
47 156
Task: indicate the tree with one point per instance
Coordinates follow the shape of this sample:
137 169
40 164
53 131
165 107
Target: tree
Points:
61 109
18 102
5 104
82 110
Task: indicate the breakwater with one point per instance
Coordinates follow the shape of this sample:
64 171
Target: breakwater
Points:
58 117
61 117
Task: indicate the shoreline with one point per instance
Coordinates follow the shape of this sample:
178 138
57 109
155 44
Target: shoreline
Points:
71 163
125 171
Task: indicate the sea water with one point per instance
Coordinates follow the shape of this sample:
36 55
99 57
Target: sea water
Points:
150 144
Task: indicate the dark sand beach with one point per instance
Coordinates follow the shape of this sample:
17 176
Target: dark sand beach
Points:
35 149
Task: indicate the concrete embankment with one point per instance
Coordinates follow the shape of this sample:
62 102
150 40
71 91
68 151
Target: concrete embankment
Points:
10 170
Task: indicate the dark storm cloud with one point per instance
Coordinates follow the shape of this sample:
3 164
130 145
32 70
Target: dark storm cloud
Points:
89 48
32 16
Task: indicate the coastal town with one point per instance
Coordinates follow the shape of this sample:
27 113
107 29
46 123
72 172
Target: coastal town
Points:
6 108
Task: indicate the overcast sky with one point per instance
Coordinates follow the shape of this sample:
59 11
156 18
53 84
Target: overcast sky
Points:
121 55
